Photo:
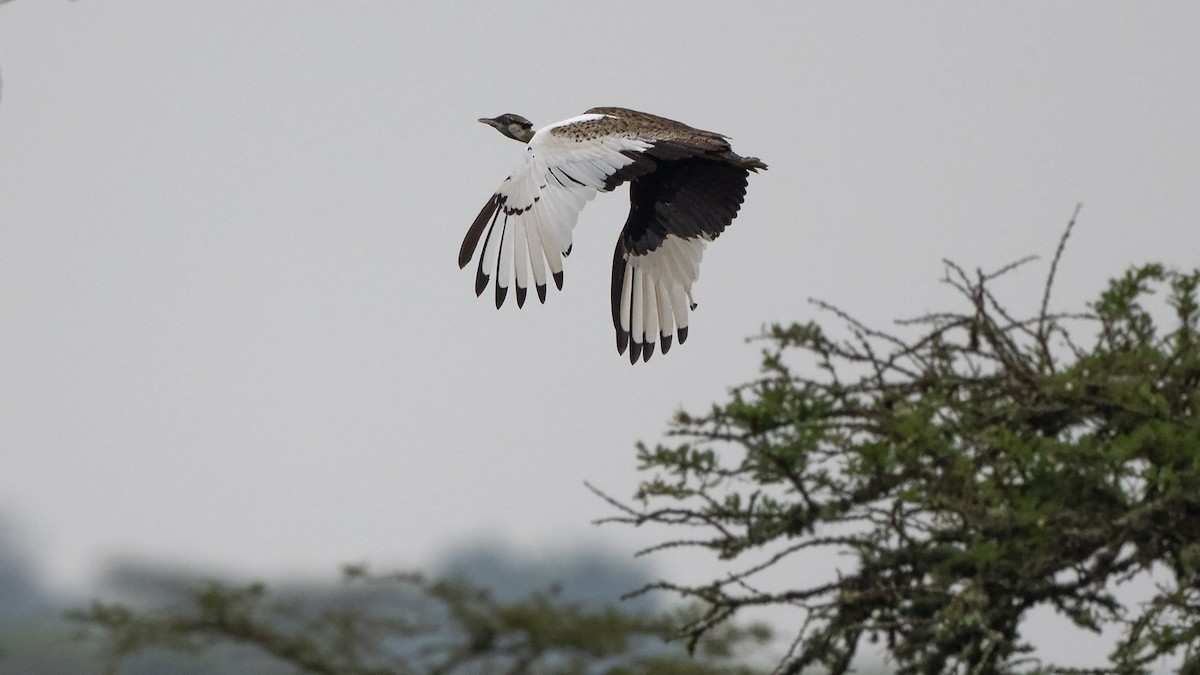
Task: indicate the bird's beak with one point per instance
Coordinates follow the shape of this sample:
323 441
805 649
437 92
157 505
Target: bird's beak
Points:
491 122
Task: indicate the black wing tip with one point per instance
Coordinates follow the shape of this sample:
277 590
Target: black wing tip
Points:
481 282
521 296
643 351
683 332
501 293
541 292
558 280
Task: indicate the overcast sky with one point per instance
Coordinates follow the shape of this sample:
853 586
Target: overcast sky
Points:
232 330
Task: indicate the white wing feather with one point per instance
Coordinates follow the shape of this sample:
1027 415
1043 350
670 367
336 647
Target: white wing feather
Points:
657 293
539 204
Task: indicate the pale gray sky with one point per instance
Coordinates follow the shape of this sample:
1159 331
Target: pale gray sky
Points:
232 330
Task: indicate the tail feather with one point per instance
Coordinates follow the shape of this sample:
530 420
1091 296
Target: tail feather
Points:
748 163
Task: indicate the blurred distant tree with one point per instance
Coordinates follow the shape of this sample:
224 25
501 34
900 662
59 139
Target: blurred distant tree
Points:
985 465
402 624
20 592
31 627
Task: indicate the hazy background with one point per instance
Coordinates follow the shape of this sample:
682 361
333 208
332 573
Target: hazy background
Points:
232 332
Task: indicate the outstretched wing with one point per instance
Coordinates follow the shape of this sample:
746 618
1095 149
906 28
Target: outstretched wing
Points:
674 212
529 220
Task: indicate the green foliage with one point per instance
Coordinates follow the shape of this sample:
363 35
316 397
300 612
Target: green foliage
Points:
980 468
403 624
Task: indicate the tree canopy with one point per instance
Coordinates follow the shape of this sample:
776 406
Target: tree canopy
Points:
968 466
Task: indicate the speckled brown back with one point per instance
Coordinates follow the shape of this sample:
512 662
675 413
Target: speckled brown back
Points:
634 124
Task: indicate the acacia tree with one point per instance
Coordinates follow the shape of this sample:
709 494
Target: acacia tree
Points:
979 467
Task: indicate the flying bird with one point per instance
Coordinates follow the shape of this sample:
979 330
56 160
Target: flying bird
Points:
685 187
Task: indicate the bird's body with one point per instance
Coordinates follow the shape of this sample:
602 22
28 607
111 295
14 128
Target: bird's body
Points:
686 186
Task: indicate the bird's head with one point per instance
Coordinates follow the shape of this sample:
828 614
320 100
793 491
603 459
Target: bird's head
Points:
514 126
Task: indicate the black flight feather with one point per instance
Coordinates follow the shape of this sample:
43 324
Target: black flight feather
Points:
472 239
